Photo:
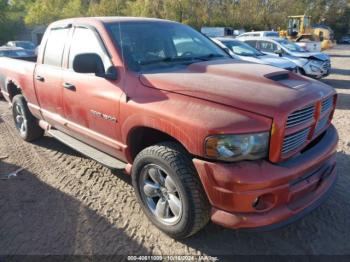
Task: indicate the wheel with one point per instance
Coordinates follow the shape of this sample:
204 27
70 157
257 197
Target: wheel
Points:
168 189
26 124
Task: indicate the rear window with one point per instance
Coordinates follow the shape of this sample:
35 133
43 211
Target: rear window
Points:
251 34
272 34
55 46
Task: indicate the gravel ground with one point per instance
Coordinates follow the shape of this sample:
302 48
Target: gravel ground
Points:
64 203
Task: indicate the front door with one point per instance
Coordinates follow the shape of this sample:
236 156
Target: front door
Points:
91 103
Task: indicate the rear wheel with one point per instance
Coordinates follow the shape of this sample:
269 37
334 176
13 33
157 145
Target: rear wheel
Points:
26 124
169 191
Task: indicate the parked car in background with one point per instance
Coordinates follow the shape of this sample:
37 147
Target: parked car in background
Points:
217 31
15 52
259 34
312 64
27 45
221 31
312 46
308 45
345 39
247 53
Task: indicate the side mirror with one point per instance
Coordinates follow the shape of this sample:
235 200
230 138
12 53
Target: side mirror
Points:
91 63
279 52
88 63
111 74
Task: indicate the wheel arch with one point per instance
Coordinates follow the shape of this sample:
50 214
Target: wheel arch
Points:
141 137
12 89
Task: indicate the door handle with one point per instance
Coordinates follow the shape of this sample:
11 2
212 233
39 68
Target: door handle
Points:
69 86
40 78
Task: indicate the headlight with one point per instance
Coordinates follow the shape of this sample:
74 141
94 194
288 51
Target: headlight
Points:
237 147
314 68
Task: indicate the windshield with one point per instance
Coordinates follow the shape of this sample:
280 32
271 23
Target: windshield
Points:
160 45
243 49
26 45
290 46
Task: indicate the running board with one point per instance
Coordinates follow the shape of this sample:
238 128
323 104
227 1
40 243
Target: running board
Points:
87 150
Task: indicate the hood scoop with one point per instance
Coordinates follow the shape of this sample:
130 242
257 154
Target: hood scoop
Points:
288 79
278 77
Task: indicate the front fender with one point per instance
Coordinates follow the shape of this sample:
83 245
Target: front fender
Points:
190 120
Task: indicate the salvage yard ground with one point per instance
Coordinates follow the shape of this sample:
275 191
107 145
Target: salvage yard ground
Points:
64 203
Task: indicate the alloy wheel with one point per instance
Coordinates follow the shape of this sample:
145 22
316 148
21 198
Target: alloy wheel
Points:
161 194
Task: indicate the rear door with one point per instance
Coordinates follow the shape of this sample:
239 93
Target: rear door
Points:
91 104
252 43
267 47
48 77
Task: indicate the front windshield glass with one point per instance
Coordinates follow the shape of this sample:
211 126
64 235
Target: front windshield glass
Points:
243 49
290 46
153 45
26 45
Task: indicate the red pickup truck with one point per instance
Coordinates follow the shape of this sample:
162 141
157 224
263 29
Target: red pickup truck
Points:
202 135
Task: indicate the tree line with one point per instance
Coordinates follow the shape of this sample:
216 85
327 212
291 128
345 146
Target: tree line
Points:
247 14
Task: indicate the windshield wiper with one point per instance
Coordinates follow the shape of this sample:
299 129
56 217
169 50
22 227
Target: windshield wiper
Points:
181 59
166 60
207 57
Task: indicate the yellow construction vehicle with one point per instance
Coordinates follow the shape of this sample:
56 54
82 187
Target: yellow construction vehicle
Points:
300 30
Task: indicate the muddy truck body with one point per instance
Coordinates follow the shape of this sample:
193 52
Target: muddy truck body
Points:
202 135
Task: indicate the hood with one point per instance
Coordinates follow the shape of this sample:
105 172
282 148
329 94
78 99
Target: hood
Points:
261 89
269 60
276 61
315 55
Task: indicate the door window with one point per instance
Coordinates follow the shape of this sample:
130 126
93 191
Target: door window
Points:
55 46
252 43
86 41
267 46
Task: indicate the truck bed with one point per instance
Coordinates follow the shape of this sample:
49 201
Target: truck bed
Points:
18 72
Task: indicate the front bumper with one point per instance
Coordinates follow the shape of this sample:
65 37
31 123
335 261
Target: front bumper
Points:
253 194
318 71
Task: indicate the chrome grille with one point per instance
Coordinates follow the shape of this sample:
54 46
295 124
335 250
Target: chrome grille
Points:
327 104
321 124
301 116
295 140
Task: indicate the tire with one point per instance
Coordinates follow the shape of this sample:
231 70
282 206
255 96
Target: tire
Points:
184 207
26 124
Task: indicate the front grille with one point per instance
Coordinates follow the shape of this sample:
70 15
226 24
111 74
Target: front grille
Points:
299 139
301 116
327 104
295 140
321 124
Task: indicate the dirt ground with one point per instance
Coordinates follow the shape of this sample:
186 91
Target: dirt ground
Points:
64 203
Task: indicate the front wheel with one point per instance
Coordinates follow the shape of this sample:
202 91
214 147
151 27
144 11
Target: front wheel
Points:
169 191
26 124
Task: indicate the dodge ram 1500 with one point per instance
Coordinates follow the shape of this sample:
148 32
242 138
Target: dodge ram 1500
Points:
203 136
